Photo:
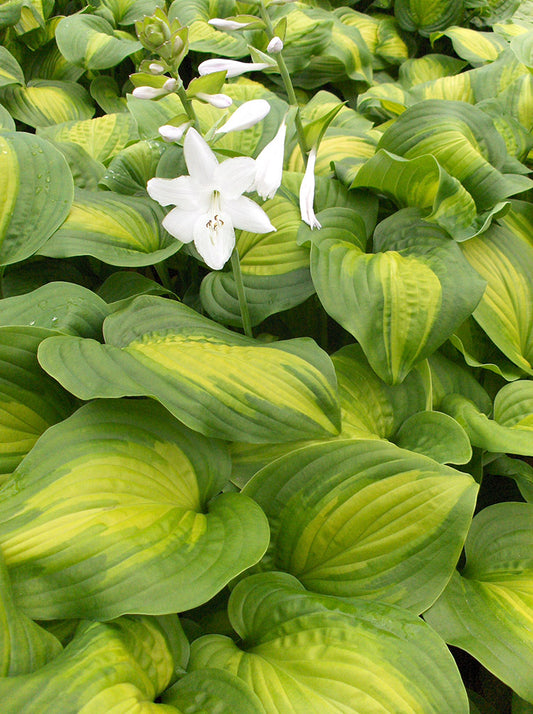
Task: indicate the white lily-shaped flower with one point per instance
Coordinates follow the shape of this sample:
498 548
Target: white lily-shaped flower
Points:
209 202
307 192
269 165
245 116
233 68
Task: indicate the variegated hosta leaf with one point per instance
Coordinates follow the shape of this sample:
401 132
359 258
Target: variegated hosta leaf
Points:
30 401
403 302
116 511
66 308
86 171
34 181
380 34
504 257
216 381
475 47
275 270
102 138
370 409
204 37
421 182
24 646
46 102
428 68
212 691
127 12
130 170
464 141
10 70
130 659
124 285
436 435
308 653
448 377
6 120
365 519
119 230
511 429
425 16
91 42
517 469
488 609
106 93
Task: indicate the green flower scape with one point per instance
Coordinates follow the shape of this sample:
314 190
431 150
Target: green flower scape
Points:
266 357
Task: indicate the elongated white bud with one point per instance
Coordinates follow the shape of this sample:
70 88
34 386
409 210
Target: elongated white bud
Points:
233 68
156 68
220 101
307 192
230 25
148 92
269 165
245 116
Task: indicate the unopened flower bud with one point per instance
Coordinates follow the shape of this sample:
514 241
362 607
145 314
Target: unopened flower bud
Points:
173 133
307 192
246 116
230 25
233 68
220 101
148 92
156 68
275 45
170 85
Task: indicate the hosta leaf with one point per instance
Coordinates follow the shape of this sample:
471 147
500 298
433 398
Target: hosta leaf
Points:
66 308
275 270
119 230
124 285
129 660
86 171
6 120
504 257
428 68
35 181
354 519
106 93
149 116
212 691
511 429
465 142
204 37
216 381
448 377
46 102
10 70
121 505
473 46
402 303
91 42
425 16
487 610
24 646
517 469
30 401
10 12
436 435
48 63
102 138
127 12
421 182
130 170
307 653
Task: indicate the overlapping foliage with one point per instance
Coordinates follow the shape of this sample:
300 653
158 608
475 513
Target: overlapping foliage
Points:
303 518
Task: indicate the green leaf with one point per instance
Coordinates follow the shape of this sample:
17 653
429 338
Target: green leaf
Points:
45 102
464 141
128 661
511 429
102 138
204 37
392 542
24 646
6 120
121 287
262 392
35 181
118 230
402 303
10 70
212 691
436 435
66 308
106 93
91 42
149 116
307 653
475 47
86 171
123 503
425 16
275 270
448 377
504 257
428 68
130 170
128 12
30 401
487 610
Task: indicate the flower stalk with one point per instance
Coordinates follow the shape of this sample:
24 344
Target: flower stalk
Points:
237 275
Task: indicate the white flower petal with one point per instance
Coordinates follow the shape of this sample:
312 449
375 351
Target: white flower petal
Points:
219 101
307 192
148 92
199 158
269 165
234 176
246 116
180 224
230 25
247 215
233 67
214 238
183 192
